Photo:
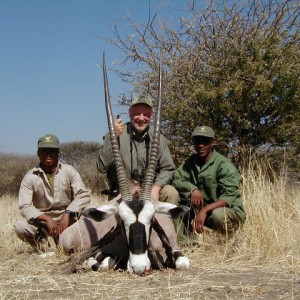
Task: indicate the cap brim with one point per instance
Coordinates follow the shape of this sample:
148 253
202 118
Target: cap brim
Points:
48 146
204 135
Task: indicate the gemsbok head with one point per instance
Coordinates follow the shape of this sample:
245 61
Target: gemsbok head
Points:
135 211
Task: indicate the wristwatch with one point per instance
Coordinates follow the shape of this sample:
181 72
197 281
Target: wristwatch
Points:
70 213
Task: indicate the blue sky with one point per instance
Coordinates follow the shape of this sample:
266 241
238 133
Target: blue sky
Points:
49 76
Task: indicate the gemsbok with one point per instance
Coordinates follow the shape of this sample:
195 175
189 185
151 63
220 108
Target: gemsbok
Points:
133 231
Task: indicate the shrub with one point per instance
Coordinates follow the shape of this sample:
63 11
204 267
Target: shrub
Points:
12 170
81 155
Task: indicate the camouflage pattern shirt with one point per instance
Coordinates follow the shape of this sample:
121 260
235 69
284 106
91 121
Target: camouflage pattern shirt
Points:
135 156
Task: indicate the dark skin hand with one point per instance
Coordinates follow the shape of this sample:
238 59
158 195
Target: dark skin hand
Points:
202 213
197 199
55 228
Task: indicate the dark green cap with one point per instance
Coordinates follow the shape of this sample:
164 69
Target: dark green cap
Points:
142 100
48 141
204 131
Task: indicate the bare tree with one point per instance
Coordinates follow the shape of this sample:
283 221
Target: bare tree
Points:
233 65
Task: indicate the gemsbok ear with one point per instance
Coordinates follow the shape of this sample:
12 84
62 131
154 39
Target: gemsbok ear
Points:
171 210
101 213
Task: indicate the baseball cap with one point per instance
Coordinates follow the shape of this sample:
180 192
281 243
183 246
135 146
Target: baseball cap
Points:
142 100
204 131
48 141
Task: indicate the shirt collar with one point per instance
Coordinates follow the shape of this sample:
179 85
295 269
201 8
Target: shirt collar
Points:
133 134
38 168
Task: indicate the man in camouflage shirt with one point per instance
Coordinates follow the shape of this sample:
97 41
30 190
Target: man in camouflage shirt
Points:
209 183
135 140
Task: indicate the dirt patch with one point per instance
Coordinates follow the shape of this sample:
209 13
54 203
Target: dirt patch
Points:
27 276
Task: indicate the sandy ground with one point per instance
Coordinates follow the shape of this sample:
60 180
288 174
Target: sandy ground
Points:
26 275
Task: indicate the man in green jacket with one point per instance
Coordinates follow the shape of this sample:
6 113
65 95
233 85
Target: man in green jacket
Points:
135 140
209 183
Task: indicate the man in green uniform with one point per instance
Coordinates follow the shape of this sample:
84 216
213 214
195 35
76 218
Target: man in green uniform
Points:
209 183
135 140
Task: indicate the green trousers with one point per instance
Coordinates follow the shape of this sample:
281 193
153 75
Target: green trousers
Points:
224 220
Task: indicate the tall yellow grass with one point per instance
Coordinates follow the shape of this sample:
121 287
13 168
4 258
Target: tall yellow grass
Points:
272 230
269 237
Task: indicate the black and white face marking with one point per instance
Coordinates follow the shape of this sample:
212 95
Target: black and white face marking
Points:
137 216
102 212
137 243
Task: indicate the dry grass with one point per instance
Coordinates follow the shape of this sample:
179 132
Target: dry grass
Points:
261 262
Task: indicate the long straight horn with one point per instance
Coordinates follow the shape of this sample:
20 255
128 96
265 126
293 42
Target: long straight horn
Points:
120 169
154 153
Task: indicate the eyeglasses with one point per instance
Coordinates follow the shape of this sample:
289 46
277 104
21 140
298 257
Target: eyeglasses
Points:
202 140
49 150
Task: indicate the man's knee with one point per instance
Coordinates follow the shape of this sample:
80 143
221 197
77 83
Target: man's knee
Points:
223 220
219 216
217 220
25 231
169 194
21 227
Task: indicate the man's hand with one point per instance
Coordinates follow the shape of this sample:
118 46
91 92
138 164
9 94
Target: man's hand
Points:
119 127
55 228
63 223
199 220
202 214
197 199
51 225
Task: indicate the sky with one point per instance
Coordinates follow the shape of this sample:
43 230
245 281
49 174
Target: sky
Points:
50 80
